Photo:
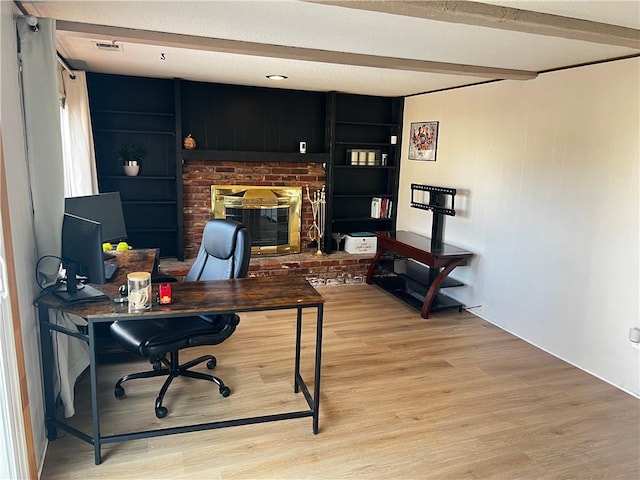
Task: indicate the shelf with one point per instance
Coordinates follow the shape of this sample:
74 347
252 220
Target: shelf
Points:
124 112
388 167
367 124
421 287
149 202
135 132
368 144
241 156
394 285
152 230
360 219
415 274
137 177
363 195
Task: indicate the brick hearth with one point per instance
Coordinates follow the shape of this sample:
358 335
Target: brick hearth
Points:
333 266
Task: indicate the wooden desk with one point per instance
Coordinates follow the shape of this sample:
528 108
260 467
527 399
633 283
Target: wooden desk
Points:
441 261
136 260
190 298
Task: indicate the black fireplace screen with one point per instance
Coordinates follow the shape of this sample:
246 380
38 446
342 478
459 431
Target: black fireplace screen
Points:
267 226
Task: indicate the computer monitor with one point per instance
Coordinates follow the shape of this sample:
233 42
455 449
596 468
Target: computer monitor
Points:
82 245
105 208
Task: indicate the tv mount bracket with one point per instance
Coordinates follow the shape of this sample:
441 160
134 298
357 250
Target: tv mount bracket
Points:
437 204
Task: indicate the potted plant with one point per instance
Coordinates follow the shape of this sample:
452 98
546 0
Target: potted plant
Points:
131 157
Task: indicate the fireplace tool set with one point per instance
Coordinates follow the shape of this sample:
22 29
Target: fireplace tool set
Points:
318 206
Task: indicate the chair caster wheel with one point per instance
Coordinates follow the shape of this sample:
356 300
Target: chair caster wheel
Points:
211 364
161 412
119 392
225 391
156 365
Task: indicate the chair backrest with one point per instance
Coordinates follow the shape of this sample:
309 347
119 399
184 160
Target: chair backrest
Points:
224 252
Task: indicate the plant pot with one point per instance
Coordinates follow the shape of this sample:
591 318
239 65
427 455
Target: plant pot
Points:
131 168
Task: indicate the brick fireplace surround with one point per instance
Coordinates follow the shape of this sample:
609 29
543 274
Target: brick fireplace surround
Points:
197 178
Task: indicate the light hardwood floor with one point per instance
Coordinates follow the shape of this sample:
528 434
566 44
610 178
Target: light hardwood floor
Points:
451 397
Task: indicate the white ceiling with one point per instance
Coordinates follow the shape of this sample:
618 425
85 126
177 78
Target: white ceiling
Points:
316 42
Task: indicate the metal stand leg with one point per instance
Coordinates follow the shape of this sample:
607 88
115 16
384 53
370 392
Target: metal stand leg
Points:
94 394
47 373
296 372
316 380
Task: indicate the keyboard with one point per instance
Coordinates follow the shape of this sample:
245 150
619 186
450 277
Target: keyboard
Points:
109 270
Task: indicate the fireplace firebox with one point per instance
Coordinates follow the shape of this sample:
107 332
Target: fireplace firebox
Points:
272 215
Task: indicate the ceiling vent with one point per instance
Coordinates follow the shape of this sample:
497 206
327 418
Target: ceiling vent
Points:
109 47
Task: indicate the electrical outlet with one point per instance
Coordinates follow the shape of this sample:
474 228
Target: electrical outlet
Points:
634 337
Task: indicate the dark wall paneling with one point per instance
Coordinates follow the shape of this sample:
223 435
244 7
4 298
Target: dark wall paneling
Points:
132 94
365 109
238 118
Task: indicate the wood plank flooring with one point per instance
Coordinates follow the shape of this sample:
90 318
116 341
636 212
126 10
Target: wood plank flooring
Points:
452 397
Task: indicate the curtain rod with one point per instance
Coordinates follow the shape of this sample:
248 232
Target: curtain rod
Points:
21 8
60 58
65 65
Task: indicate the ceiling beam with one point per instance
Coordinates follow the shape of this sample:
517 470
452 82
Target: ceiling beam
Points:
505 18
148 37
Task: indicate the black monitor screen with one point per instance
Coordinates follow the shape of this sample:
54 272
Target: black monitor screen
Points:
105 208
82 244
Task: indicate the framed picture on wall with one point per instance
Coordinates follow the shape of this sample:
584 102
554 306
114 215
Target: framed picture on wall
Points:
423 141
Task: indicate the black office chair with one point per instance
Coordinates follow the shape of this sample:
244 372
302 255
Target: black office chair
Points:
224 254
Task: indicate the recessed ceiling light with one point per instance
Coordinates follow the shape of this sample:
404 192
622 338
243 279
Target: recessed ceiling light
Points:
276 77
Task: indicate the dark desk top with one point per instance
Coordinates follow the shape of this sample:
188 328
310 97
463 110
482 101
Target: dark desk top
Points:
420 242
193 298
137 260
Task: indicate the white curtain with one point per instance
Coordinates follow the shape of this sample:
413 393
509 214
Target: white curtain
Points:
44 146
80 176
46 179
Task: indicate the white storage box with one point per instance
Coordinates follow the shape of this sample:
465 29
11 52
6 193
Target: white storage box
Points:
360 242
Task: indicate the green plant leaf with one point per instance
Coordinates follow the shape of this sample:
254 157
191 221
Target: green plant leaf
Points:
130 152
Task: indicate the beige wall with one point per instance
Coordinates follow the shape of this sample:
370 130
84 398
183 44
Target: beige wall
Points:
548 171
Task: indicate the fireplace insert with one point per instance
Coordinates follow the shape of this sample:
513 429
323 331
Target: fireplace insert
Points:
272 215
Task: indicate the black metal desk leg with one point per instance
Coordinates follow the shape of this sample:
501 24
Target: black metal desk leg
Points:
93 367
47 373
296 372
316 381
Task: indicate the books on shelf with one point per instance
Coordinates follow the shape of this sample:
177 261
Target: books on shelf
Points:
381 207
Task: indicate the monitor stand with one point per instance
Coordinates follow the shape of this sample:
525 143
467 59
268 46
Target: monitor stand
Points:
84 293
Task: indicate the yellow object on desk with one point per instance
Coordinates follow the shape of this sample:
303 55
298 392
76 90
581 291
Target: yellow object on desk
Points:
123 247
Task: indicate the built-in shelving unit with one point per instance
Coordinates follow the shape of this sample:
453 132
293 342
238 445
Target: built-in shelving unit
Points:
140 111
362 122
